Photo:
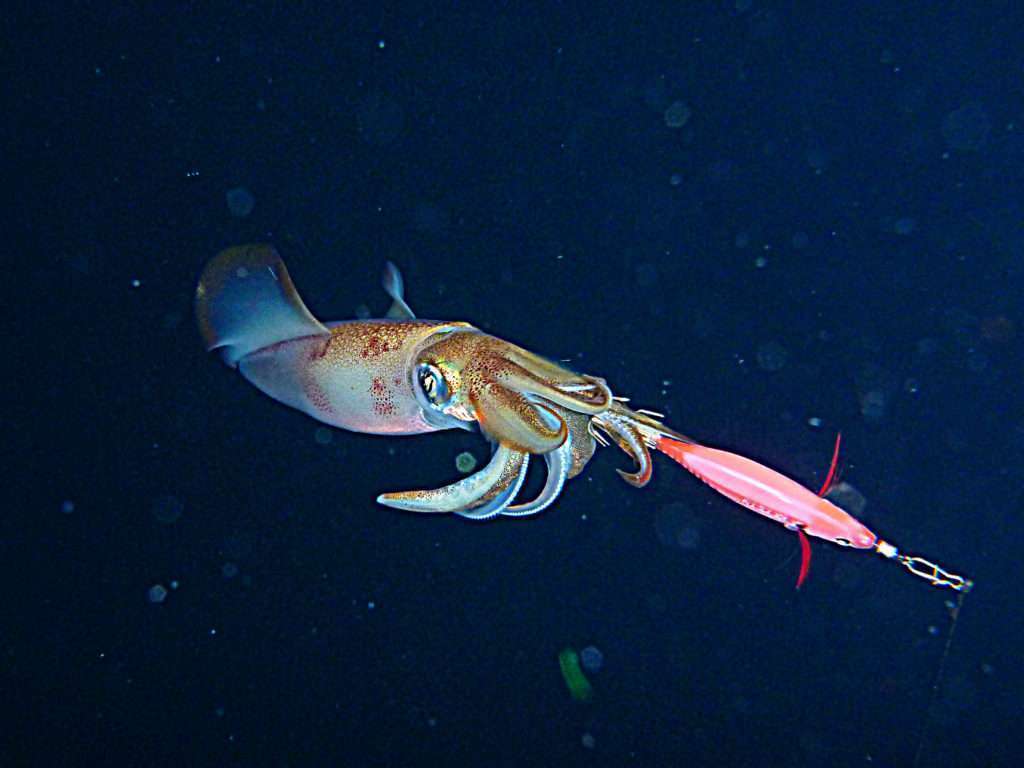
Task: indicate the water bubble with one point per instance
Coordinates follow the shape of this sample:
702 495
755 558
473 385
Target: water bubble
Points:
465 462
167 509
814 421
157 593
229 570
67 507
677 114
675 179
588 741
592 658
323 436
240 202
771 356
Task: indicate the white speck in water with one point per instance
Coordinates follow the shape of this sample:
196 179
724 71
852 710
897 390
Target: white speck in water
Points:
814 421
67 507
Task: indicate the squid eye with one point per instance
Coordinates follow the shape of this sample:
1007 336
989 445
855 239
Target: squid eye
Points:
432 384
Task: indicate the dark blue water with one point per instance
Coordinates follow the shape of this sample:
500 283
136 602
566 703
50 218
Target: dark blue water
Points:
771 223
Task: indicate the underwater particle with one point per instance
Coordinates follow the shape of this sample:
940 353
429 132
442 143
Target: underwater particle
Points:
430 217
363 312
677 527
904 226
873 405
911 386
167 509
677 114
688 537
229 570
844 495
323 436
379 119
977 361
577 683
814 421
588 741
742 240
240 201
760 262
592 658
157 593
67 506
966 129
817 158
800 240
771 356
646 275
465 462
997 329
675 179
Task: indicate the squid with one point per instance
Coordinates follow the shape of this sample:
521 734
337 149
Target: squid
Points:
402 375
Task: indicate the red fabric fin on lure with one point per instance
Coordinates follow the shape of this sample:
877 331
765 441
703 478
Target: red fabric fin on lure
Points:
831 477
805 557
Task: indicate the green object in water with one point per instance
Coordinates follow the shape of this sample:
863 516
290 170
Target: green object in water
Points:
465 462
579 686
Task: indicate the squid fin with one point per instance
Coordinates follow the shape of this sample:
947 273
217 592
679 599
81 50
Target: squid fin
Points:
831 477
246 301
395 288
805 557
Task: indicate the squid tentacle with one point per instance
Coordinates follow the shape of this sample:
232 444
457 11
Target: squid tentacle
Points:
460 496
516 419
558 463
631 440
506 489
577 392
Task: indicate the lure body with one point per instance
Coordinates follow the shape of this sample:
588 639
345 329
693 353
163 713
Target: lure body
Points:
769 493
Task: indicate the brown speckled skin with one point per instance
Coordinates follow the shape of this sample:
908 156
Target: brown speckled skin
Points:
358 378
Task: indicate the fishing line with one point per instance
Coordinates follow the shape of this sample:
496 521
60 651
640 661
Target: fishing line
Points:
954 613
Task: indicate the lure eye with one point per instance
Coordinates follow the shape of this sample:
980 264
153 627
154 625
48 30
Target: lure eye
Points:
843 542
431 382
